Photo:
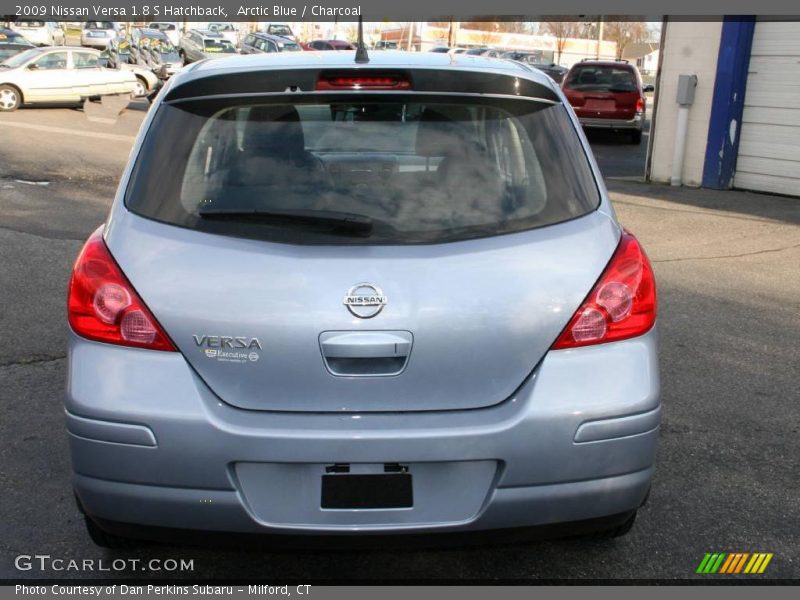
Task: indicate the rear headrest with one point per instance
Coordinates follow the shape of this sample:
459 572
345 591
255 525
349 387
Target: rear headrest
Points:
588 77
443 130
274 131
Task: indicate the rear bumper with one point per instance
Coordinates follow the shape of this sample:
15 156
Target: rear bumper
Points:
152 446
95 42
599 123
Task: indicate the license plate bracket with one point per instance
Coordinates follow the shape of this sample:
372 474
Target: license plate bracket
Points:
343 491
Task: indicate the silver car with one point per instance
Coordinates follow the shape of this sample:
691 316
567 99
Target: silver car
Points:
98 34
41 33
59 75
347 298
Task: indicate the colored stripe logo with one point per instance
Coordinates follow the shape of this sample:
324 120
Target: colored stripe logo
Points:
729 563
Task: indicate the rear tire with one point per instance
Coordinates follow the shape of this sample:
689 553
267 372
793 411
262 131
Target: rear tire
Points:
105 539
140 89
10 98
636 137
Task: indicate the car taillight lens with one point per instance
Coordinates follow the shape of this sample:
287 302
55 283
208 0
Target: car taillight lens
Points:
378 82
622 303
103 306
640 105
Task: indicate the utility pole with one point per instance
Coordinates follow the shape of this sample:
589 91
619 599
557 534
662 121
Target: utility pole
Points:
410 35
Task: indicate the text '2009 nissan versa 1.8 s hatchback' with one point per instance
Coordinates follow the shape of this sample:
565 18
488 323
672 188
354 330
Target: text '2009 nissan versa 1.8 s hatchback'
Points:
347 298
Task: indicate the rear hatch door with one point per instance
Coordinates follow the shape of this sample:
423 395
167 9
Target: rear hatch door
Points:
251 316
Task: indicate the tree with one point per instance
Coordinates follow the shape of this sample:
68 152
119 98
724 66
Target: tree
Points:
625 32
561 30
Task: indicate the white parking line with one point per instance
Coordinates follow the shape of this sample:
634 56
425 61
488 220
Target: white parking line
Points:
78 132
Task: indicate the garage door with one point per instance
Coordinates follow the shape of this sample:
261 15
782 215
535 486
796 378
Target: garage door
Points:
769 146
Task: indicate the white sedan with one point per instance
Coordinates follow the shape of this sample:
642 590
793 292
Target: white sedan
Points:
56 75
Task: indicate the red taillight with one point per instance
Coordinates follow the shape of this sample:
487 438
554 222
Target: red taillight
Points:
363 83
621 305
103 306
640 105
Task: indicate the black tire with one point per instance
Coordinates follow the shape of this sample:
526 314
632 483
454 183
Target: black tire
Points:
10 98
141 90
636 137
616 531
105 539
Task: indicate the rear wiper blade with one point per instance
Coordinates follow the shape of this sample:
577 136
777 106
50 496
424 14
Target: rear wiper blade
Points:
341 221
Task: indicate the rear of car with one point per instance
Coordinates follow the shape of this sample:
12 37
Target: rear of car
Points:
98 34
40 33
607 95
358 299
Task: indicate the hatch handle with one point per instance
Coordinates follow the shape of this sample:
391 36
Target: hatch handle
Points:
365 344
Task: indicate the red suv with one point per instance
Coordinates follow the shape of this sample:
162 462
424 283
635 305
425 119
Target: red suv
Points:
607 95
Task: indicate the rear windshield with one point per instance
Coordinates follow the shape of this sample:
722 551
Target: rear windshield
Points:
279 30
30 23
601 78
406 169
99 25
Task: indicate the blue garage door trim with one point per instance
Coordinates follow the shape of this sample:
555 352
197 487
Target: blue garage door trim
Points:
728 103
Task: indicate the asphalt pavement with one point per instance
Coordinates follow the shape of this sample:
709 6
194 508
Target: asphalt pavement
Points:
727 475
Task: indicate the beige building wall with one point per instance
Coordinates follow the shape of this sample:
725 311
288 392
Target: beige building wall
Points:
690 48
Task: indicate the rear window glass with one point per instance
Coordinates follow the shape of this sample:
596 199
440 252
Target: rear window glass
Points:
279 30
601 78
99 25
383 170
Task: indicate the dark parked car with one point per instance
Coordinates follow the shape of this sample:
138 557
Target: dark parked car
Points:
12 43
538 61
607 95
557 72
260 43
328 45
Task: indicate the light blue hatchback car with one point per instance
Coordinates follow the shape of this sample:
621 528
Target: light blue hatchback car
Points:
361 298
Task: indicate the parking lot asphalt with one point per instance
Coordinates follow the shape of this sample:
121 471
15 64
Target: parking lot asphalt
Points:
727 475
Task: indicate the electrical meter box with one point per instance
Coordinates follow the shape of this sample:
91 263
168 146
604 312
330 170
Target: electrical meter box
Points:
686 86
